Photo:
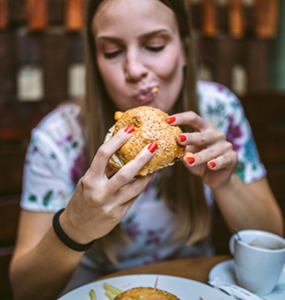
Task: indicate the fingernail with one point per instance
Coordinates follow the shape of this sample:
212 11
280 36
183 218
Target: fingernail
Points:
130 129
189 157
182 137
171 120
212 164
152 147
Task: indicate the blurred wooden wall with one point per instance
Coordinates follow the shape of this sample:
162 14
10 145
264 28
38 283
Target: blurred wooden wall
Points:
42 64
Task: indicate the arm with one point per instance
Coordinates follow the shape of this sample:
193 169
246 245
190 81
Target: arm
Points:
40 260
249 206
42 264
242 205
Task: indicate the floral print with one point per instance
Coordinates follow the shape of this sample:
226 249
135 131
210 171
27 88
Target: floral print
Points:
56 160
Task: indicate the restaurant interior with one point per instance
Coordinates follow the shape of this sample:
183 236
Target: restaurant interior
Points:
239 43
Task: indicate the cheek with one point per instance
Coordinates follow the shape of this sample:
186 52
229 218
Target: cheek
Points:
170 65
110 75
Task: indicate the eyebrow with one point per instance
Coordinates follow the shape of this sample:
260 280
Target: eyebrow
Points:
143 36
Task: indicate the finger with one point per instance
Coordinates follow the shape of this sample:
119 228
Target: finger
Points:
204 138
133 189
207 154
227 161
106 151
189 118
128 172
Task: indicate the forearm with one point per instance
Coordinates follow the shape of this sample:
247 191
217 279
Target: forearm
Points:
44 271
244 207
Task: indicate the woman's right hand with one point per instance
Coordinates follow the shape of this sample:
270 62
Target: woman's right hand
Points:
98 203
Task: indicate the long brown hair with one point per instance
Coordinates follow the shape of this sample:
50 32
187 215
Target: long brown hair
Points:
182 190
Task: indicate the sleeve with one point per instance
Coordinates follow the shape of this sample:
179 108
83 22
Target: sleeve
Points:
223 109
46 184
54 163
239 133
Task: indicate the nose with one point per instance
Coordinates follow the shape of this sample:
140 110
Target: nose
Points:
135 69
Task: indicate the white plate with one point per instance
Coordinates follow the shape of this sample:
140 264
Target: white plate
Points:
183 288
225 272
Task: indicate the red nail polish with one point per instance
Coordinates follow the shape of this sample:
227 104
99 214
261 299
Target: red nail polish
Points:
152 147
191 160
171 120
182 137
212 164
130 129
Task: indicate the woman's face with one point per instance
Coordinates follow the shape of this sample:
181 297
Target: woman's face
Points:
138 47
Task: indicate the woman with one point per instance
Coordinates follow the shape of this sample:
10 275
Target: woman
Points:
133 45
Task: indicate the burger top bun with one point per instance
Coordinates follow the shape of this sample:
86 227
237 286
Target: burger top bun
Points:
145 293
150 126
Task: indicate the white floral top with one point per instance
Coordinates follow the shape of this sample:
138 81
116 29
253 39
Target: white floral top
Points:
55 161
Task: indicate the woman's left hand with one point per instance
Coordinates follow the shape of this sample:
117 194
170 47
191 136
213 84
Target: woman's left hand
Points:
208 153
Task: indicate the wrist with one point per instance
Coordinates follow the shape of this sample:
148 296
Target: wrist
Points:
64 233
226 185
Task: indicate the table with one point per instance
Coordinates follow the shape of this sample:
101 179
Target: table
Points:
196 268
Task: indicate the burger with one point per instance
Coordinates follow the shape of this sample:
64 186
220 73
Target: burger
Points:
150 126
145 293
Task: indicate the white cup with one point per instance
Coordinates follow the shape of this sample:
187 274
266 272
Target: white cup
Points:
259 259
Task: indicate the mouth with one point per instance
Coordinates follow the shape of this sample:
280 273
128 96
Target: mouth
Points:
146 95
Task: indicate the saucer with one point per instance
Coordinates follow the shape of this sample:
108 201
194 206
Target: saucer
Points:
226 273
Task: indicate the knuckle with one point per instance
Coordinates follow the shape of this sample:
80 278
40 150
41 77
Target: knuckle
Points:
193 116
85 183
120 137
221 136
124 175
103 152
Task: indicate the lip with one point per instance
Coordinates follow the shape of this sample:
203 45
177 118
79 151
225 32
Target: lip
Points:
144 95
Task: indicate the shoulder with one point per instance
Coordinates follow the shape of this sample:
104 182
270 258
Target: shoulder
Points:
209 91
62 115
217 103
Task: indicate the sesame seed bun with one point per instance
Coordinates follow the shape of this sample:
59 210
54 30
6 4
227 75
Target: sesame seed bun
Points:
145 293
150 126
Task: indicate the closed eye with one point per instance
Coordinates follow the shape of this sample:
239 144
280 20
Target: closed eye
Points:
155 49
113 54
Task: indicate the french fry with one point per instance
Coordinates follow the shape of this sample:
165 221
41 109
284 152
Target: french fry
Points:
110 295
92 294
112 289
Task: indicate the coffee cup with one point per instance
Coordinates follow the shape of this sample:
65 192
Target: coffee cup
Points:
259 258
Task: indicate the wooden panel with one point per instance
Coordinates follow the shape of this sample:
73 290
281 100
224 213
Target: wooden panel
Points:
74 14
5 288
276 178
236 19
18 12
56 66
266 18
56 12
8 65
9 215
12 159
271 147
30 47
37 14
209 18
4 14
256 53
264 109
18 119
76 48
